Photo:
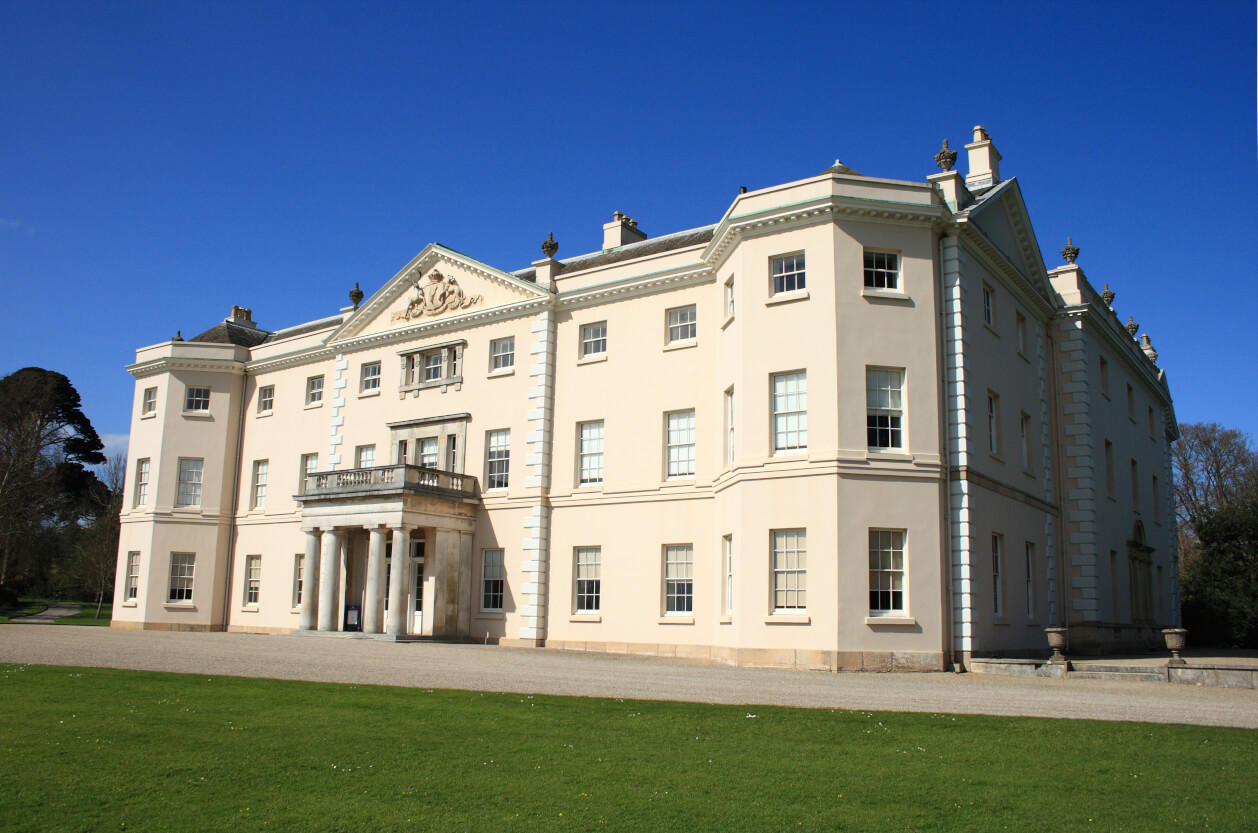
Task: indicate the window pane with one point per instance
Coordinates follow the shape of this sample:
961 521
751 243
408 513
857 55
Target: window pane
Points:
498 459
681 444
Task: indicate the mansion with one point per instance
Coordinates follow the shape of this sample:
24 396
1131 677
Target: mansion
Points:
856 423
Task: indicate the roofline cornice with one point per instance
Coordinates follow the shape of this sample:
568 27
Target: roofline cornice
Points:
168 364
817 210
1120 345
639 285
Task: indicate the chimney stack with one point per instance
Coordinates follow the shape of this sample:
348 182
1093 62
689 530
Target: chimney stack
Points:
621 231
242 316
984 161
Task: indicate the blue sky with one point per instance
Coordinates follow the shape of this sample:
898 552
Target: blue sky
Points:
161 162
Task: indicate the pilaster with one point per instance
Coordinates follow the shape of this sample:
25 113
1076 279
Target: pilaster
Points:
540 443
959 432
1078 505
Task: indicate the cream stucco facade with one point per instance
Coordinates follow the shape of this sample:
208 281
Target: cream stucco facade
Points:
856 423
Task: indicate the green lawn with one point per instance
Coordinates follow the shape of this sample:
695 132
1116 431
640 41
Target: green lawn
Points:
87 616
96 749
23 607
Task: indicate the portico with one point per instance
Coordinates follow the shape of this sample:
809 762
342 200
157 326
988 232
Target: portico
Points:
392 542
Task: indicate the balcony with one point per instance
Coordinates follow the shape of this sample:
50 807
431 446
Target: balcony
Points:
388 480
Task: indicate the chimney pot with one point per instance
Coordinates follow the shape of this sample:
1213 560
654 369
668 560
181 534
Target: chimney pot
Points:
621 231
984 161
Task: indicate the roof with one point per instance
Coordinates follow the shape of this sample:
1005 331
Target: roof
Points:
303 329
652 246
839 168
231 333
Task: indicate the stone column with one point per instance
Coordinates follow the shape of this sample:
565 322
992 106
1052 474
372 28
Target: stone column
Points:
399 579
373 603
310 583
451 583
329 581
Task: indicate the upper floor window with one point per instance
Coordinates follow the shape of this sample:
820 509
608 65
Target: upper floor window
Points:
260 469
1024 431
885 407
1131 403
594 339
590 453
789 394
432 367
364 456
266 399
369 377
1104 376
681 324
729 297
314 390
882 270
502 353
729 427
428 452
787 273
197 399
141 481
993 423
149 405
989 306
497 459
1020 323
1152 423
188 485
680 442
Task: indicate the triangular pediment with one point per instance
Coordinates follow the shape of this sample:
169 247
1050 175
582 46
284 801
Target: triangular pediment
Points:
1004 220
438 284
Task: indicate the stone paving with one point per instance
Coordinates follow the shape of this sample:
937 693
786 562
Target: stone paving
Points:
548 671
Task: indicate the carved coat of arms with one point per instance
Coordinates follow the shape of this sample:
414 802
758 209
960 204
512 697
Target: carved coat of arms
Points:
439 295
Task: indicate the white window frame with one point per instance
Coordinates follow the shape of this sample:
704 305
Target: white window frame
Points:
590 436
888 583
502 354
314 390
993 423
727 562
729 297
679 579
788 570
196 399
884 403
998 583
427 450
433 365
182 573
788 405
133 576
587 581
682 324
257 491
989 306
148 405
882 270
142 468
679 445
497 459
188 488
787 274
299 577
1024 430
493 580
369 377
253 580
1131 403
1109 468
1020 325
365 456
266 399
1104 374
593 339
1029 556
730 415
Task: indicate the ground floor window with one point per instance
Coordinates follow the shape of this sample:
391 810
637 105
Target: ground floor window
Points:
253 579
886 571
299 570
182 565
790 569
133 576
679 565
589 588
493 580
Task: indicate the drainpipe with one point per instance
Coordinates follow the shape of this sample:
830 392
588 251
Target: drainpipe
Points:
941 313
233 529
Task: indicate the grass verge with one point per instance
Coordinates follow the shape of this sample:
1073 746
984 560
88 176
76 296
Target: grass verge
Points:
23 607
87 616
105 749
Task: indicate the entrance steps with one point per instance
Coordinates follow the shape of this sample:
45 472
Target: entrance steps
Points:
1225 676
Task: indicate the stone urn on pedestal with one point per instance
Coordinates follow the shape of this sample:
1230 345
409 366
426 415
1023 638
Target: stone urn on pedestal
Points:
1057 641
1176 639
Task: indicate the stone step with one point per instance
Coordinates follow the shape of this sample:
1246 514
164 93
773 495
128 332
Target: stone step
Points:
1131 674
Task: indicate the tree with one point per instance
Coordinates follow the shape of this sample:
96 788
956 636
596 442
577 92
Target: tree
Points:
97 551
1214 467
1220 593
45 442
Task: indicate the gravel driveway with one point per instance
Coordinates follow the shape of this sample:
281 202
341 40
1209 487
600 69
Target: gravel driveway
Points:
531 670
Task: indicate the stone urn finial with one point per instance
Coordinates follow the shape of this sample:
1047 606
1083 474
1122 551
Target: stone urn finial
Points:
355 295
178 335
549 246
1071 252
1131 326
946 157
1107 297
1146 346
1176 641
